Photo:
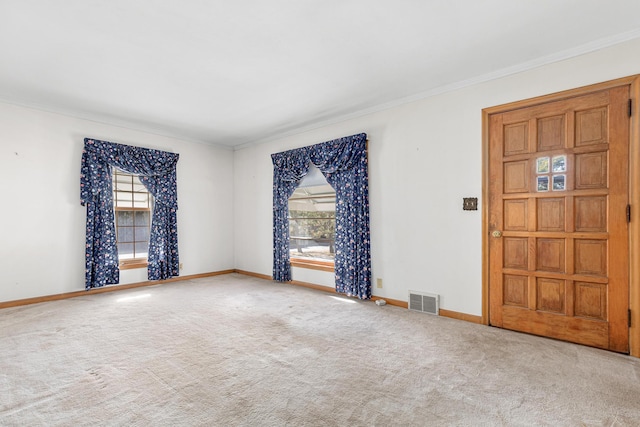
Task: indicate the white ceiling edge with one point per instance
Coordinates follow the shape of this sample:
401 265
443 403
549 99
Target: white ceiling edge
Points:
504 72
494 75
124 124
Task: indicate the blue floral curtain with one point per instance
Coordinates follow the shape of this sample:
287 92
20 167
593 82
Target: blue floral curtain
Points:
288 170
344 163
157 170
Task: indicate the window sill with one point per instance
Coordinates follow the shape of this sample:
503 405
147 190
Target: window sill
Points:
130 265
313 264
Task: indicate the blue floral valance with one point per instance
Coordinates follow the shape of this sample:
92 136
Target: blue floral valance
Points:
343 162
157 172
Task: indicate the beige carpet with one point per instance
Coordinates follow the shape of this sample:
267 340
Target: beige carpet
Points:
237 351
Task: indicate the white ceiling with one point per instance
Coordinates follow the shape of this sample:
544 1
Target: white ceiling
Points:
238 72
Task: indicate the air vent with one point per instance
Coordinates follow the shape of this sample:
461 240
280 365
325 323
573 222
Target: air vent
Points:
424 302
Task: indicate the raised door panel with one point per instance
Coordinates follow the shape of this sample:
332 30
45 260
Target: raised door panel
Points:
551 133
591 213
591 300
558 192
591 127
516 177
591 171
550 255
516 139
551 214
516 215
516 291
516 253
590 257
550 295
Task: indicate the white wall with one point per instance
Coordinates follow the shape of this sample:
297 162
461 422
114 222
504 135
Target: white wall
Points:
424 158
43 223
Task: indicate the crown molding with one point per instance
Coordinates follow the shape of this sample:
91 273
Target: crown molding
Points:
494 75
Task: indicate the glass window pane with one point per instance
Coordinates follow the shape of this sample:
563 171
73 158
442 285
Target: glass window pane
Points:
142 250
312 222
142 218
125 234
317 228
124 218
142 234
125 250
129 192
141 200
138 187
123 186
124 199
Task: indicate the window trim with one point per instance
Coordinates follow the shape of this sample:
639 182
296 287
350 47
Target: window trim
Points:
130 264
312 264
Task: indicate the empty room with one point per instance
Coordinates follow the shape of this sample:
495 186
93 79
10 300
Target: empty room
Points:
305 213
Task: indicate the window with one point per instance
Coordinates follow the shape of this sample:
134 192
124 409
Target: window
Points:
312 223
132 208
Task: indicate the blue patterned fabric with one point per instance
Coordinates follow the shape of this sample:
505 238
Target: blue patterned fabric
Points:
289 168
157 170
344 163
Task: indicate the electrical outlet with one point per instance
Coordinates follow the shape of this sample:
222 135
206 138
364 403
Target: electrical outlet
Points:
379 283
181 266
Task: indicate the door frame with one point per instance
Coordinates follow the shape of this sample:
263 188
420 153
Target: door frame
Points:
634 192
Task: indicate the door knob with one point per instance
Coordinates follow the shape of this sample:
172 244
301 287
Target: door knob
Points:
496 233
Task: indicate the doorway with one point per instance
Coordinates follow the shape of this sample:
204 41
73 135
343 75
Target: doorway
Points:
558 240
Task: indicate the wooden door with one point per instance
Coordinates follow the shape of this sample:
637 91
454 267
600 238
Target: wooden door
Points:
558 198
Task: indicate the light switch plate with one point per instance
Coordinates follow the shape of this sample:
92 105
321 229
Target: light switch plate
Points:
470 203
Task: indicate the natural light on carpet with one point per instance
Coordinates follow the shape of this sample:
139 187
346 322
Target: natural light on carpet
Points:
343 299
133 297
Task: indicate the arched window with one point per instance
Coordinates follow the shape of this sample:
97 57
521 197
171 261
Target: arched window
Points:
312 222
343 162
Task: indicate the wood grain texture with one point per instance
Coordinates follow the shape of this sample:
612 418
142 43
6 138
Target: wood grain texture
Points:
577 234
313 265
634 226
252 274
461 316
